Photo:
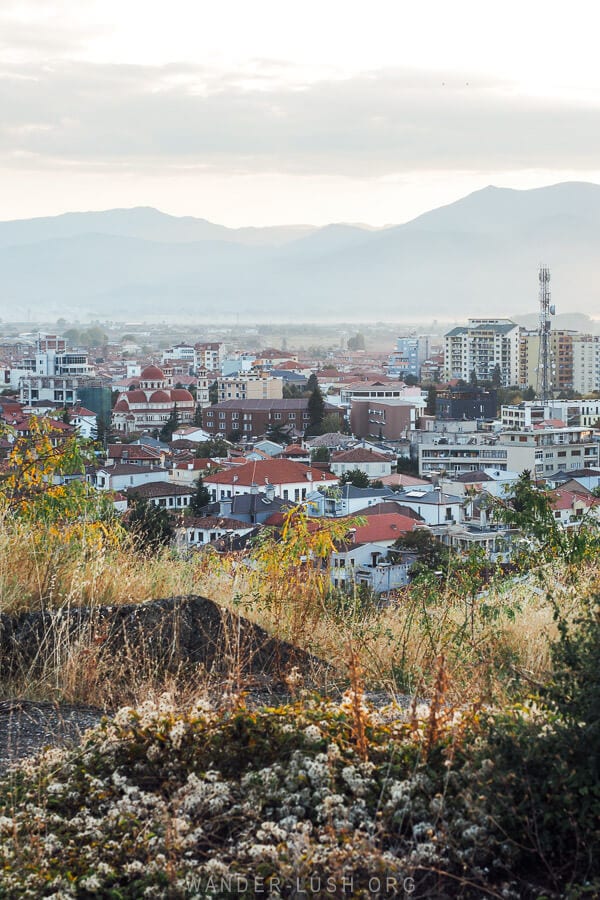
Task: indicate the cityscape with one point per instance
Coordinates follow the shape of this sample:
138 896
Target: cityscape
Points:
299 450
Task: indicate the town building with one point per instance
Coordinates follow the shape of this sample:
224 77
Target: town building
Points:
253 418
480 347
374 465
467 402
148 407
390 419
249 387
281 478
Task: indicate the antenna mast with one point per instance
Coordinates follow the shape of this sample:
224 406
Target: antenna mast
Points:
544 381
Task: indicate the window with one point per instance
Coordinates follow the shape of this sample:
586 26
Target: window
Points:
276 415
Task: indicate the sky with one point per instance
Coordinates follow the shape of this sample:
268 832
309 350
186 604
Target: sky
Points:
275 111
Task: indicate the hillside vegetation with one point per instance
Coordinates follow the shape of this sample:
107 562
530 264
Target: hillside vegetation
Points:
458 756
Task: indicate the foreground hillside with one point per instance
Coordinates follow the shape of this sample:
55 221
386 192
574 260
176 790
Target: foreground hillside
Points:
331 800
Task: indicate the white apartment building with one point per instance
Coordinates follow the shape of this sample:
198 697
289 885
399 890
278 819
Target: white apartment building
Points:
586 363
209 355
541 449
480 346
585 413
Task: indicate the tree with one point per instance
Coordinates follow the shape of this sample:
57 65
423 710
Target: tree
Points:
431 400
293 391
216 447
151 525
473 378
355 477
433 555
200 497
357 342
279 433
330 423
497 376
198 417
410 380
312 384
213 393
316 412
320 454
166 432
529 393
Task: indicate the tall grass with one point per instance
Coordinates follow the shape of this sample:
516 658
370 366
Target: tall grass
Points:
491 645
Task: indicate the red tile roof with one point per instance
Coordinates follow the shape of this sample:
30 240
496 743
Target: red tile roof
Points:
273 471
384 527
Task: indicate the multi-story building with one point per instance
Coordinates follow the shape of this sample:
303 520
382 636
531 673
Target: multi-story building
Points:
390 419
480 347
149 406
561 346
466 403
209 355
583 413
405 359
181 353
253 418
586 363
542 449
249 387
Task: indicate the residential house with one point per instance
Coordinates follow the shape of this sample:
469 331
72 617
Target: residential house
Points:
287 479
375 465
198 531
121 476
173 497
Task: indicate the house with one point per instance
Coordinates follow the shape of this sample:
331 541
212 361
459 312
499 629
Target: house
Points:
356 564
257 508
571 508
188 472
433 505
287 479
344 499
191 433
197 531
163 493
121 476
84 420
375 465
496 482
135 454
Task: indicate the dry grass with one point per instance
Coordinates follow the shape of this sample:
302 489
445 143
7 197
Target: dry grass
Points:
500 642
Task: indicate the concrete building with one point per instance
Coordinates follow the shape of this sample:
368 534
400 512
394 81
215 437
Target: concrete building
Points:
209 355
281 478
561 360
253 418
479 347
466 403
249 387
388 419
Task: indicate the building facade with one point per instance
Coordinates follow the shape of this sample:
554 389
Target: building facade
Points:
480 347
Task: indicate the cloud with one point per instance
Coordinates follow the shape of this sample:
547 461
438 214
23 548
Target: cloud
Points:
184 117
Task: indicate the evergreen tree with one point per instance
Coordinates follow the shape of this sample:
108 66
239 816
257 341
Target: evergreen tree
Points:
198 417
473 378
150 524
166 432
497 376
316 411
200 498
313 383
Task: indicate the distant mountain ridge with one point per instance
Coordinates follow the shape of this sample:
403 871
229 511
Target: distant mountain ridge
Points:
478 255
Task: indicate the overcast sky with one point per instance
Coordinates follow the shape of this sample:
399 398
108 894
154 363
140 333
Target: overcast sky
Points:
277 111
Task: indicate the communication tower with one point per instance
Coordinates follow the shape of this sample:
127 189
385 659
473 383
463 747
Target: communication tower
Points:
544 381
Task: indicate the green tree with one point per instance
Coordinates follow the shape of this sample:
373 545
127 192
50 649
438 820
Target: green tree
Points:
279 433
431 400
151 525
357 342
497 376
198 417
356 477
320 454
166 432
312 384
213 393
473 378
216 447
200 497
410 380
316 412
433 555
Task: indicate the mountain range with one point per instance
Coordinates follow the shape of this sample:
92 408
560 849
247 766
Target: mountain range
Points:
476 256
